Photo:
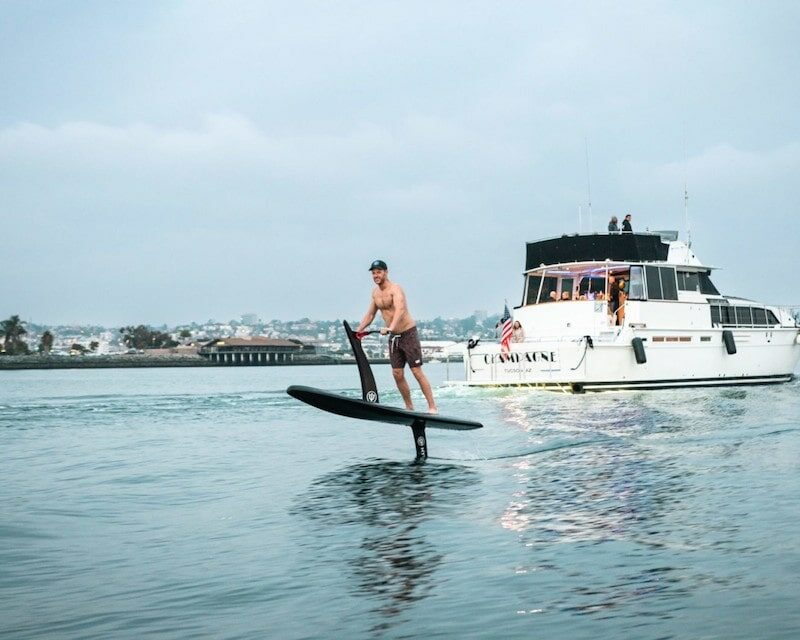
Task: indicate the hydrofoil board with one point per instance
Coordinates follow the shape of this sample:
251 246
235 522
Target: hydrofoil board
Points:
363 410
368 408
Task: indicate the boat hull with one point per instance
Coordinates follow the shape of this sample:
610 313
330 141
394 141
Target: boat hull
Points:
666 359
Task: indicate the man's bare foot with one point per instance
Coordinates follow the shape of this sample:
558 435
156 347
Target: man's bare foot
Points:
433 410
409 407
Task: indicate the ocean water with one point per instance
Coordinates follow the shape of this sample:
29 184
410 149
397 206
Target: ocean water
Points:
206 503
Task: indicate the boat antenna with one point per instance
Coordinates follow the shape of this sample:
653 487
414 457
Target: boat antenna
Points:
588 183
686 191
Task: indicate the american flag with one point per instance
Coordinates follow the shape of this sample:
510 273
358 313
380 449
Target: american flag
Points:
506 331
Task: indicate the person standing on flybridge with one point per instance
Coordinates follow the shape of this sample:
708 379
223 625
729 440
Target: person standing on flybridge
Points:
404 346
626 224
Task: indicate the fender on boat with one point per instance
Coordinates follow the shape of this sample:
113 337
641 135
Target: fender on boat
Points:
730 343
638 350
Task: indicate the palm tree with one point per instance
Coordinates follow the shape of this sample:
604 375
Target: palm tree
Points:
46 343
13 329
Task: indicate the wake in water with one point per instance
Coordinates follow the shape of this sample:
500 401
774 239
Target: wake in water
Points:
545 448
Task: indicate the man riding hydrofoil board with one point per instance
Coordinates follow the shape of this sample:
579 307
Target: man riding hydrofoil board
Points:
404 346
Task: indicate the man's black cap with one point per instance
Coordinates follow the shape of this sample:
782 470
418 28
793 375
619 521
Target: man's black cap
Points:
378 264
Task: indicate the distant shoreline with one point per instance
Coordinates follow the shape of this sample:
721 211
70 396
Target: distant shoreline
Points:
138 361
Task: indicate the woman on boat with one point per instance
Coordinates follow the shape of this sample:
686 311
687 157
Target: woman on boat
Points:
613 299
623 296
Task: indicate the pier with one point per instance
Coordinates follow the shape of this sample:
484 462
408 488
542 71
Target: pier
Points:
256 351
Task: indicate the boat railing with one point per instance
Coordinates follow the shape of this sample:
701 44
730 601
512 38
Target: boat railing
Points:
557 338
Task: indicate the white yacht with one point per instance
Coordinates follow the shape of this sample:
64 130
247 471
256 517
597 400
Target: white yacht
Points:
669 326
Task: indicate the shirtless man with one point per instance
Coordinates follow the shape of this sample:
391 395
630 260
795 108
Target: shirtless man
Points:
404 344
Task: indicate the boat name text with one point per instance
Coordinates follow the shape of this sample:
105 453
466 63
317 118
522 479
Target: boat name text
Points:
527 356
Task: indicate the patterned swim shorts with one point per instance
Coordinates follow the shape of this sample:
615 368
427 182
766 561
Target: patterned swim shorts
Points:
405 348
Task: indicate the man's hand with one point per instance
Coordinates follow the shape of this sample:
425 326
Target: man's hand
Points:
384 330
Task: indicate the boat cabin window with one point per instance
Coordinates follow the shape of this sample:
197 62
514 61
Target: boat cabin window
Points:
661 284
669 285
546 288
731 316
566 288
591 286
636 283
759 316
688 281
706 286
653 283
533 289
549 289
744 315
728 316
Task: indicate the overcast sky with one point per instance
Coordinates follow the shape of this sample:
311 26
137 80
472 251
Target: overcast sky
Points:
168 162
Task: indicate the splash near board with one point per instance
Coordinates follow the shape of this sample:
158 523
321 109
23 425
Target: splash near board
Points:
368 408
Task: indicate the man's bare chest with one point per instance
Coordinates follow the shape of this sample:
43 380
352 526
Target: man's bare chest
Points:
383 301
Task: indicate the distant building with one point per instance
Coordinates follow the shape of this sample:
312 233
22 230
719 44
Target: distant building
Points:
180 350
251 351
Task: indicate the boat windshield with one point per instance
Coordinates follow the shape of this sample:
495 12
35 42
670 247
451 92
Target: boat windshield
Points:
580 282
593 281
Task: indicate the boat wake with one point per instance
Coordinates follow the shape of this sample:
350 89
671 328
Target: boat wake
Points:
546 448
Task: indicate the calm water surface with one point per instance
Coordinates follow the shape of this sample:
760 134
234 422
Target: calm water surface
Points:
206 503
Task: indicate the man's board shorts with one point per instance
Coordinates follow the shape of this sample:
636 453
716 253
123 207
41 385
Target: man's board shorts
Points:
405 348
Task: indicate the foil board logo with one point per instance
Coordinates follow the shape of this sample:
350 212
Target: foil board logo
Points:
372 396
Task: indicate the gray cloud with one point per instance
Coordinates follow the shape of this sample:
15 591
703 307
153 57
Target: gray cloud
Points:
182 160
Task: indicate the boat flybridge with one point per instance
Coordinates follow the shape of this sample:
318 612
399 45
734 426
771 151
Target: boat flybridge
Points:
632 311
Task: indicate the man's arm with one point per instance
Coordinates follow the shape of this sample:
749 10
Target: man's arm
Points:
368 317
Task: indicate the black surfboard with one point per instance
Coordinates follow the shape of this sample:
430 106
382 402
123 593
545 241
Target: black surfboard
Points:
355 408
369 409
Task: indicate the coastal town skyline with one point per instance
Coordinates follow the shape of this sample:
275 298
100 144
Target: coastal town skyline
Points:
324 334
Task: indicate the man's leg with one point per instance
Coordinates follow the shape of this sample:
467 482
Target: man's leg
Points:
426 388
402 386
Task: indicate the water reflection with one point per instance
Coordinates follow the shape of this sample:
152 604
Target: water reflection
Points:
595 492
378 510
636 479
644 498
592 494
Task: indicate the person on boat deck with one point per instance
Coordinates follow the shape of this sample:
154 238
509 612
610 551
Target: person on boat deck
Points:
553 296
623 296
565 295
613 296
517 332
626 224
404 346
612 225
